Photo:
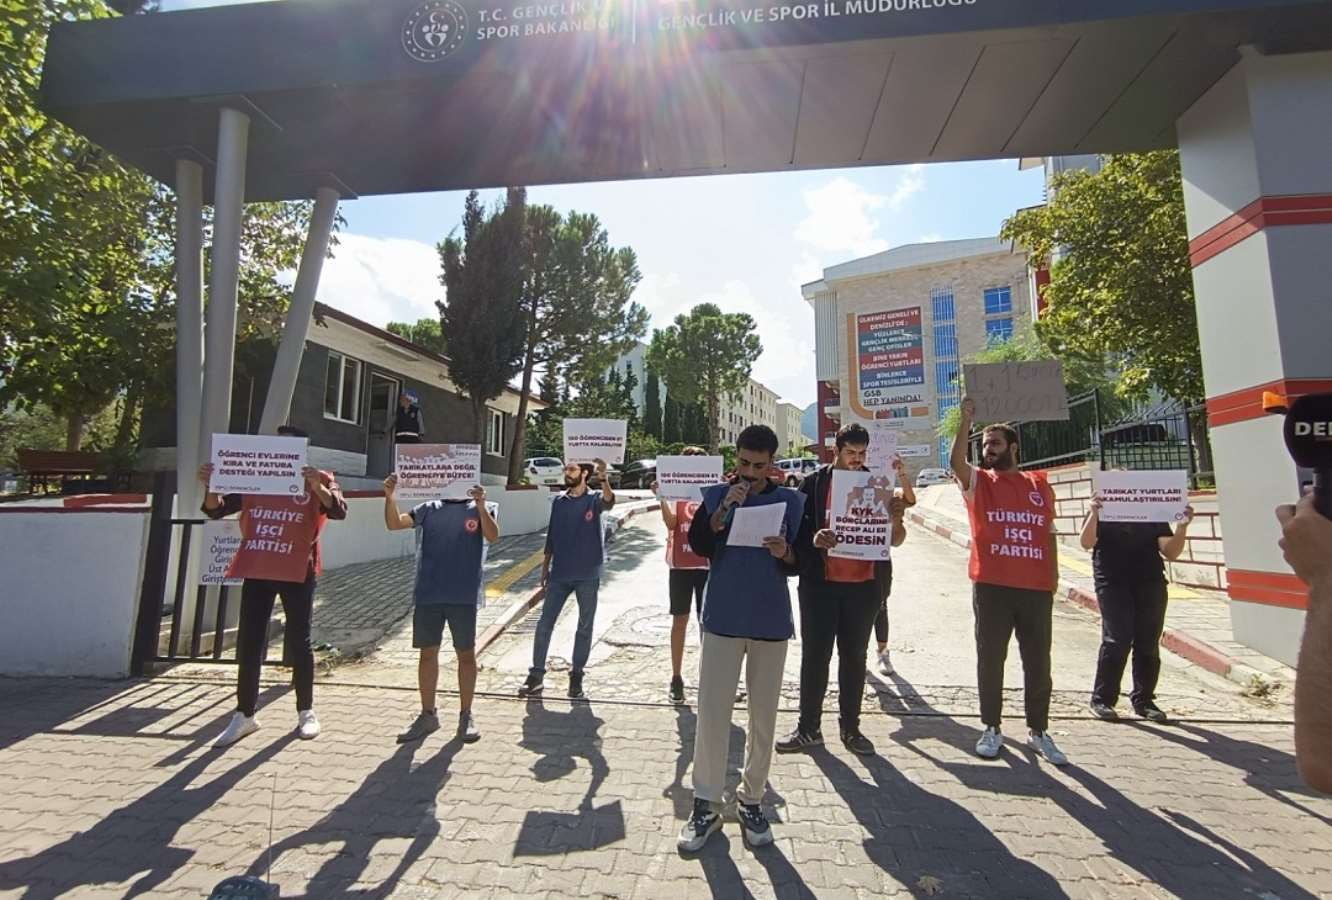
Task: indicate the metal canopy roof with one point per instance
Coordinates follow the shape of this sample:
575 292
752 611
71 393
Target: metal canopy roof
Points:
390 96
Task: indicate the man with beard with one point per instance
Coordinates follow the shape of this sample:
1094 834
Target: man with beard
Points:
1014 567
839 599
574 556
746 619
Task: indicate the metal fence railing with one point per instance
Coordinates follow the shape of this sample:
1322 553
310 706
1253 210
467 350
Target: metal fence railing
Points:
1173 435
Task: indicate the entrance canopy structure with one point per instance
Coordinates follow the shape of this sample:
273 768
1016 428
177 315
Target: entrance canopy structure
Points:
333 99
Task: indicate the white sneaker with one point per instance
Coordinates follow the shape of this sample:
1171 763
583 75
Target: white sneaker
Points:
885 663
308 725
239 726
1044 745
990 743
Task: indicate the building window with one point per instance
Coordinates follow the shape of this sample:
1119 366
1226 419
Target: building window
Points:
998 300
944 307
342 389
999 330
947 391
495 433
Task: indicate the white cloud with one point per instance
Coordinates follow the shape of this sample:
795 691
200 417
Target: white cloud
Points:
382 279
911 183
929 237
840 219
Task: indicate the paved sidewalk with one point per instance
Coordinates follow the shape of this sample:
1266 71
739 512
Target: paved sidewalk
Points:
111 790
1197 622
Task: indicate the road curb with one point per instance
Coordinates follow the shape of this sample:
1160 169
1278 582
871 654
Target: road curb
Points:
1185 646
522 607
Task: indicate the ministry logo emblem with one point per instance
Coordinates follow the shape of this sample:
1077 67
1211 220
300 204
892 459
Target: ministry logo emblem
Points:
434 30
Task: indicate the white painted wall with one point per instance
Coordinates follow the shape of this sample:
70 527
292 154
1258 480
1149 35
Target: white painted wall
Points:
362 537
69 586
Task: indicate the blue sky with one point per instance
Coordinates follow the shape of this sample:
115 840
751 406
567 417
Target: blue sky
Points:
745 242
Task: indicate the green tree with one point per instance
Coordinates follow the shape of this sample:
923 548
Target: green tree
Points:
694 426
652 423
704 356
576 310
481 314
670 421
423 332
1122 284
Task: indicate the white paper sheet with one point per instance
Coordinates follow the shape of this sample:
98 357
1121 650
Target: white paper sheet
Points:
751 524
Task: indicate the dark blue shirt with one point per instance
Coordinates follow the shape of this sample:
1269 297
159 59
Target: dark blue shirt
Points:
747 595
574 536
451 553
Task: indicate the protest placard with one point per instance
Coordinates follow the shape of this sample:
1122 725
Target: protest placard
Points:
258 464
222 539
587 440
684 477
1017 391
1150 496
437 471
917 451
860 514
882 449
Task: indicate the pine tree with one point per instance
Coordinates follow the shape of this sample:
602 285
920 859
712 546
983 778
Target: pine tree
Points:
670 425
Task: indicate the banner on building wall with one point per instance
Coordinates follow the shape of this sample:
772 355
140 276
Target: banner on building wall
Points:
889 350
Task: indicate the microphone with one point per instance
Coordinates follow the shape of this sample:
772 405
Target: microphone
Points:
1308 433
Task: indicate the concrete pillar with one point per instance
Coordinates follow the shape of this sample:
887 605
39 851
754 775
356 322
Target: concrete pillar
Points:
189 329
228 206
277 406
1258 198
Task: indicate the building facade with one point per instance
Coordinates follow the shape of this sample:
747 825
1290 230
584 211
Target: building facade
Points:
893 329
346 395
755 404
633 363
791 442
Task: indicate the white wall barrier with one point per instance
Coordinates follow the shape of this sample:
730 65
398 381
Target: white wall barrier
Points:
69 589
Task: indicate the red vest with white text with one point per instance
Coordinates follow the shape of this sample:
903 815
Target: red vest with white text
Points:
679 555
1012 514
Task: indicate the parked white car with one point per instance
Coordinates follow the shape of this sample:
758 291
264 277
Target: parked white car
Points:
927 477
544 470
794 470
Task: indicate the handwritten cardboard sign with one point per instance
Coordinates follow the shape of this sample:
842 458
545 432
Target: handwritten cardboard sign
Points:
1153 496
1018 391
860 514
684 477
258 464
882 449
437 471
222 540
587 440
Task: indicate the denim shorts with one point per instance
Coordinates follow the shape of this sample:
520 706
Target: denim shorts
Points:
428 625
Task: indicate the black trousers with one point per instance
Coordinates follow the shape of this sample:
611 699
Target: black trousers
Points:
256 609
1132 619
881 622
842 615
999 612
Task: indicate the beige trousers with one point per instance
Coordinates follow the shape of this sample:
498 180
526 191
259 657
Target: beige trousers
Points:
718 677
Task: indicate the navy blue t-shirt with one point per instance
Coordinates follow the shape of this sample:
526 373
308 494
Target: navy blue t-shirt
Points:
451 552
574 536
747 594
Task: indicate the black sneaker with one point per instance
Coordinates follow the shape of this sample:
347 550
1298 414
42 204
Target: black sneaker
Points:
576 686
424 724
1104 712
754 824
798 742
856 742
677 691
1151 712
702 823
468 733
532 687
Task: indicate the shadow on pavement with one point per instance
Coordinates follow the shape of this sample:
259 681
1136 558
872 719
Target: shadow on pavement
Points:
1140 839
561 738
396 800
137 836
627 548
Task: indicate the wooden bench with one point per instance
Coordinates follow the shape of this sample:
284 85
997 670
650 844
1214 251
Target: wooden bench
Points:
42 465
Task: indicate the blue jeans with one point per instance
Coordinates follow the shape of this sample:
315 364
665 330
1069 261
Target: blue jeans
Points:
557 592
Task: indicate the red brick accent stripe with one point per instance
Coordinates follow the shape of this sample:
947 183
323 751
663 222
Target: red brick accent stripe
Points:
1241 406
1268 588
1265 212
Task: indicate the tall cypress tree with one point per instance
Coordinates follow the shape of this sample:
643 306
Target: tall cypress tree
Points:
670 425
696 430
652 423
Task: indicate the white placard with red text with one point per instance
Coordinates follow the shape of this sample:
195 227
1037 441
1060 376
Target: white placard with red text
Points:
437 471
860 514
1151 496
587 440
684 477
258 464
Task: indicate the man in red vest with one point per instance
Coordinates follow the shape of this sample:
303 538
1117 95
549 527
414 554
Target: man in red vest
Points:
1014 567
688 578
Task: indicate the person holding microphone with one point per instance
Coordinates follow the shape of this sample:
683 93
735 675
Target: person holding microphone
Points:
1129 572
